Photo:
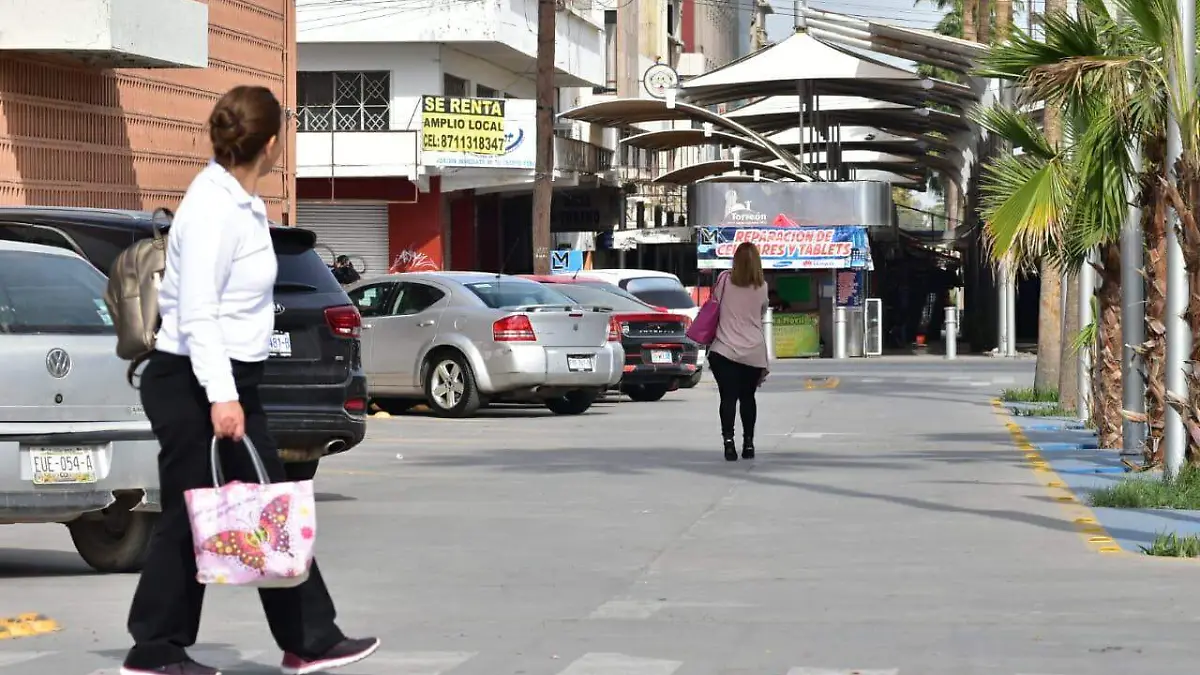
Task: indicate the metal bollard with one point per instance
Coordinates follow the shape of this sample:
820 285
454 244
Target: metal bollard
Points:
769 333
839 332
951 324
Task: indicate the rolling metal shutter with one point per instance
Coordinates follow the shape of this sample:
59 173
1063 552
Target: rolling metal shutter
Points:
348 229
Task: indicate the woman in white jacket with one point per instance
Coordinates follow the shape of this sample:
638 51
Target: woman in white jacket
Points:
217 309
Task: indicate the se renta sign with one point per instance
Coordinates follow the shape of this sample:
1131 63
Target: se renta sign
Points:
477 132
787 248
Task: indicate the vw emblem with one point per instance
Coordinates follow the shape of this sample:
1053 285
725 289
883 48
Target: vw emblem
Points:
278 308
58 362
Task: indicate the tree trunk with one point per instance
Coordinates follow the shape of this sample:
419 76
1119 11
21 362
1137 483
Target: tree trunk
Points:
983 20
1068 372
1106 368
1050 318
1004 17
1049 349
1153 352
1185 198
970 32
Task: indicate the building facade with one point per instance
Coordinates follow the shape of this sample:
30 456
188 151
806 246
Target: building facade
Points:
397 108
107 108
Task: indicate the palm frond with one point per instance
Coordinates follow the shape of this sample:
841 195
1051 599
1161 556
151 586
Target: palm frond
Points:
1027 205
1017 128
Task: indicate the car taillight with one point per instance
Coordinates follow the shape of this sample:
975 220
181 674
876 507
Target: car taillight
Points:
356 405
344 321
687 323
515 328
614 330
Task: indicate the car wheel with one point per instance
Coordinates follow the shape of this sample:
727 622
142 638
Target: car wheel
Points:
693 380
116 542
646 392
573 402
450 387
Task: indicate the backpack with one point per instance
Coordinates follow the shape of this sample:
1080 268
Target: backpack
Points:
132 294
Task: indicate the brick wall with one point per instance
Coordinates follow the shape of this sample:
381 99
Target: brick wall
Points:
74 135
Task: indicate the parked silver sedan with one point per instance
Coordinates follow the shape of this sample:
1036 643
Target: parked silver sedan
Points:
459 340
77 448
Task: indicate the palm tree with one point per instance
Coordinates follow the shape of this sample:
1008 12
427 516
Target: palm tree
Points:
1058 201
1047 373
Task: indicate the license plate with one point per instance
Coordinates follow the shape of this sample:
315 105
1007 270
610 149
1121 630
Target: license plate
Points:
60 466
661 356
281 343
580 364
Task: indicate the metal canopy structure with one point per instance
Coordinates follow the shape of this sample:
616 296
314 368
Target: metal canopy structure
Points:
911 44
786 66
817 86
673 139
694 172
626 112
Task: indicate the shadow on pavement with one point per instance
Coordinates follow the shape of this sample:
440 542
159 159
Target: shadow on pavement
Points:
616 461
33 563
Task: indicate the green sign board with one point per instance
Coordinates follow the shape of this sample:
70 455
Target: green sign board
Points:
797 335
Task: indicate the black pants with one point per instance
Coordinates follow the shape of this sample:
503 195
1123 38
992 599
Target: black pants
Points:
165 617
737 383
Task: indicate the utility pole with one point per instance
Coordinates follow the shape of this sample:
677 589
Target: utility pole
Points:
543 189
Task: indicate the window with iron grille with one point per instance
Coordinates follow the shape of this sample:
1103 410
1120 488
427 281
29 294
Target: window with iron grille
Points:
453 85
344 101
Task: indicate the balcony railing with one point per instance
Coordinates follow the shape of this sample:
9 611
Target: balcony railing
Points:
581 157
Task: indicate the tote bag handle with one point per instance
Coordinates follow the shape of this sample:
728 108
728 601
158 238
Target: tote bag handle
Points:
215 459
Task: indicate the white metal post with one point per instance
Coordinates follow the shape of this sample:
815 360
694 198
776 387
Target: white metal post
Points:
1083 378
1133 318
1002 308
1179 337
951 324
1010 308
769 332
839 331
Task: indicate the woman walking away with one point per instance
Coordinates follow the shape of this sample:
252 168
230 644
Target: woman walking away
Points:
202 381
738 355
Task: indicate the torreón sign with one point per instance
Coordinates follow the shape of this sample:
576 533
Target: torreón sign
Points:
462 125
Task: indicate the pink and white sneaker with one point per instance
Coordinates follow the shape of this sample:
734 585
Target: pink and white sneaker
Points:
344 653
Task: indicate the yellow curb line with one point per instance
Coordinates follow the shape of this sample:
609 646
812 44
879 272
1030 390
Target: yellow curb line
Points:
1094 535
27 625
822 382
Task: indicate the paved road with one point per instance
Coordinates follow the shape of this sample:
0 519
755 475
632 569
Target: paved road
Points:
888 526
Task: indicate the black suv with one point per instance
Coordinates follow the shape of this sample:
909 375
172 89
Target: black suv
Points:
316 395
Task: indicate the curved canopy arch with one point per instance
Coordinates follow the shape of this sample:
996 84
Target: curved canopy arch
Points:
691 174
625 112
672 139
736 178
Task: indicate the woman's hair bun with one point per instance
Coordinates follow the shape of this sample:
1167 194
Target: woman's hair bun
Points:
242 123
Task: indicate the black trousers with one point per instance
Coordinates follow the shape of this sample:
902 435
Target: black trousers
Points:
737 383
165 616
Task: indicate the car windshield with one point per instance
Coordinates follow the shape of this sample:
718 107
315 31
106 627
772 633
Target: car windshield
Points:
42 293
598 296
661 292
517 293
